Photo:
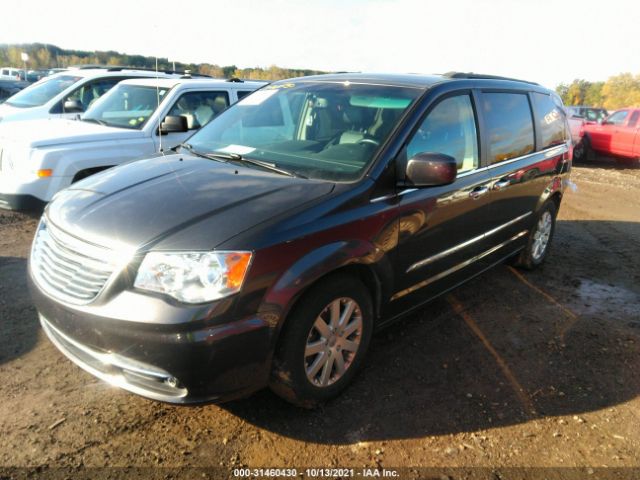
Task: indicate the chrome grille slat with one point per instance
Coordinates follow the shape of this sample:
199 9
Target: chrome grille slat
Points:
74 269
75 274
72 257
64 283
68 268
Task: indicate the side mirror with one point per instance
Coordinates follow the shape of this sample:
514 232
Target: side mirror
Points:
429 169
602 121
73 106
173 124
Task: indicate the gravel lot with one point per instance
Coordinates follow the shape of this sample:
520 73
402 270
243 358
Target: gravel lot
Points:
511 370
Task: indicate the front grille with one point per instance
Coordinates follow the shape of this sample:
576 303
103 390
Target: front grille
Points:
68 268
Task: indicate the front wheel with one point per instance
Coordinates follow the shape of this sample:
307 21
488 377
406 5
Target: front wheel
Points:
578 151
588 155
324 342
539 238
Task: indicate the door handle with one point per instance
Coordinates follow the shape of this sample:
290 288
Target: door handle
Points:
500 184
478 192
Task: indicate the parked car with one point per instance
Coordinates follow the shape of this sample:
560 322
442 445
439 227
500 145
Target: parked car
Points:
10 73
10 87
267 249
66 94
617 135
578 117
33 75
137 118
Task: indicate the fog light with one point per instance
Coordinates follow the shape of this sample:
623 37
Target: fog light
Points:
172 382
44 173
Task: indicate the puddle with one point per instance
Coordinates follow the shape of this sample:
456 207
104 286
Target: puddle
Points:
605 299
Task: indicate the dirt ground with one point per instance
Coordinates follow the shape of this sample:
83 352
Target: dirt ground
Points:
513 369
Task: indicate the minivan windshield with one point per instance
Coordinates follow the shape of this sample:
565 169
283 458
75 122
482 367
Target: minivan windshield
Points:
126 106
324 130
41 92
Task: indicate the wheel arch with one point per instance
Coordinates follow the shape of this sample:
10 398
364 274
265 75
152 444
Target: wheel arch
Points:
339 258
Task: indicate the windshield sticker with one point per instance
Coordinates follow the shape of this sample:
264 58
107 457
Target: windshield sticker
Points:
257 98
237 149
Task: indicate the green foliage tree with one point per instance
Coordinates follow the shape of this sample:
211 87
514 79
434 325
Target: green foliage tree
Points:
622 91
48 56
617 92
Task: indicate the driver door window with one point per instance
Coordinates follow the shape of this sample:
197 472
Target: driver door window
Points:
200 108
617 118
450 128
88 93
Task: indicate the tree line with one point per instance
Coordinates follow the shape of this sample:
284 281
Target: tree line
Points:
43 56
617 92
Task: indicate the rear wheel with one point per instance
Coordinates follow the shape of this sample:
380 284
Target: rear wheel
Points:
539 238
324 342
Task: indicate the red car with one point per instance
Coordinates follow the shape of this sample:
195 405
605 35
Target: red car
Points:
618 135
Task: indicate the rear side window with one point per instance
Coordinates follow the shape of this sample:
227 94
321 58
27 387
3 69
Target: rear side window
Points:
551 122
450 128
634 118
509 125
243 93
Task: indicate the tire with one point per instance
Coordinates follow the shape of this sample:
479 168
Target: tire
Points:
539 239
578 152
588 155
307 381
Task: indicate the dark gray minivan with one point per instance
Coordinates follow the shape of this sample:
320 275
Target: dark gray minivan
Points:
267 249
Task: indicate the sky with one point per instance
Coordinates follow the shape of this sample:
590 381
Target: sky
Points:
544 41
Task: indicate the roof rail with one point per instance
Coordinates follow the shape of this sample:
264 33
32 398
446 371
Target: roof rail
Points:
480 76
118 68
235 79
87 66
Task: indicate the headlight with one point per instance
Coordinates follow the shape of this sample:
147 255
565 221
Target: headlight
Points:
193 277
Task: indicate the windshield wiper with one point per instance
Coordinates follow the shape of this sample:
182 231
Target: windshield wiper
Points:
210 156
236 157
267 165
95 120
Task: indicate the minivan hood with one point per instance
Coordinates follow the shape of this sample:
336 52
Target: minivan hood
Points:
56 131
177 202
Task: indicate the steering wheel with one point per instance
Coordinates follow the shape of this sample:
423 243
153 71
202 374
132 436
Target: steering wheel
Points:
370 141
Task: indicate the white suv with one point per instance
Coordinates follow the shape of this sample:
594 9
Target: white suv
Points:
137 118
65 94
9 73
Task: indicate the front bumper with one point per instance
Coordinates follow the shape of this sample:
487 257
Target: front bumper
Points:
21 202
185 362
20 191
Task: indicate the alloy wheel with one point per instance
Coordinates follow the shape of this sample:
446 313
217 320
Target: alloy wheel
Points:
541 236
333 342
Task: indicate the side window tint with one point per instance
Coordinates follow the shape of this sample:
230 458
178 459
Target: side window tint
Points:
617 118
450 128
88 93
200 107
509 125
551 121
